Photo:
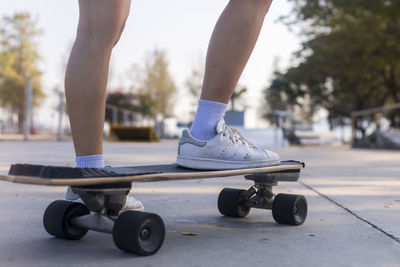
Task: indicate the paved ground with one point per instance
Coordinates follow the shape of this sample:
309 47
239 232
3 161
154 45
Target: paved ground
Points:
353 220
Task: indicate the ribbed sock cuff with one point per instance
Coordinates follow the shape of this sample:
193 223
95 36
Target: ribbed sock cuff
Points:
91 161
208 114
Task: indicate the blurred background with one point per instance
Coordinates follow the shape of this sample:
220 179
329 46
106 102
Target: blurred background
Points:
322 83
323 72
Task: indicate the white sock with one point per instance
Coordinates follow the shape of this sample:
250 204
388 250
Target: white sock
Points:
91 161
208 114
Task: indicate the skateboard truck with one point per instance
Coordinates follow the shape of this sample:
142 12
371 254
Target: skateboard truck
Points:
286 208
105 203
259 197
133 231
105 199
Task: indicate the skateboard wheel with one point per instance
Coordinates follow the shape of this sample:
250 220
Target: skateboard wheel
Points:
139 232
229 203
57 219
289 209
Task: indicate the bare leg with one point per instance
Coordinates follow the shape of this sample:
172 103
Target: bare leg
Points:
230 47
100 25
210 144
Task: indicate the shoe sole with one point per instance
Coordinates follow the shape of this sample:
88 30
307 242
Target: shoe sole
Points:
215 164
141 210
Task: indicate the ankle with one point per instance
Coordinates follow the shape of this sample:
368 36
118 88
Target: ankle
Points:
90 161
208 114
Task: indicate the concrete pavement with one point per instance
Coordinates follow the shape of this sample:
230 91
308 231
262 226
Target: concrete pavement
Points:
353 219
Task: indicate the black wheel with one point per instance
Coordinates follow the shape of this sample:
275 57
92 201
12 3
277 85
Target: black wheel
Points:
139 232
229 203
57 219
289 209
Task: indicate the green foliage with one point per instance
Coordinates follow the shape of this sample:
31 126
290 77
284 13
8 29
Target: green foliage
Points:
277 97
18 60
237 95
157 86
350 60
194 84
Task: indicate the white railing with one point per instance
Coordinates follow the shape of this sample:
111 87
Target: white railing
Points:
375 112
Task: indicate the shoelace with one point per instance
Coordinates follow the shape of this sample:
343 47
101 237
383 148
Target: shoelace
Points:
235 136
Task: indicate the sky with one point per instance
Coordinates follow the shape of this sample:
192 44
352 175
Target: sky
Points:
181 28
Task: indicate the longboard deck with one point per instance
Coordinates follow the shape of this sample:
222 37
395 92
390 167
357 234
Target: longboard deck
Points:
62 176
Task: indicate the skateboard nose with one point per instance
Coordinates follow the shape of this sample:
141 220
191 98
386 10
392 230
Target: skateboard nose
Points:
272 155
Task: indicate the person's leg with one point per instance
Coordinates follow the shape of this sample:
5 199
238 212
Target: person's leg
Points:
211 144
231 45
100 25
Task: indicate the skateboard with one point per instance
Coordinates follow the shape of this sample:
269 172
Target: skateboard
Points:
103 193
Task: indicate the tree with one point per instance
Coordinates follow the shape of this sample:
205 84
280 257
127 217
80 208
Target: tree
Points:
277 98
350 59
157 86
19 60
237 94
194 83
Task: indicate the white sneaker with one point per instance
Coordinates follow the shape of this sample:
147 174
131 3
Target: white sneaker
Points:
130 204
228 150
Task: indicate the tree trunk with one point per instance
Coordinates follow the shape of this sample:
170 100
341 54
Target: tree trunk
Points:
233 102
20 121
392 86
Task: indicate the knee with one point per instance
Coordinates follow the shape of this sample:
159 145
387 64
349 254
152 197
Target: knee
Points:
119 33
101 31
